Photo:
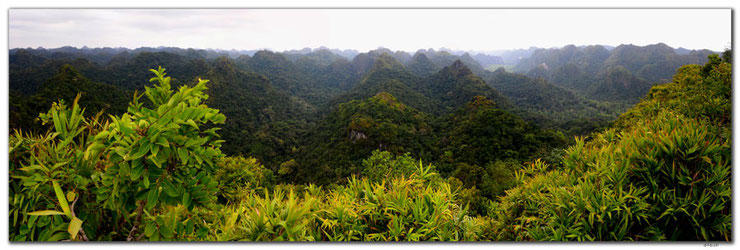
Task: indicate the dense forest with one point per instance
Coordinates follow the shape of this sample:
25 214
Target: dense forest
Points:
573 143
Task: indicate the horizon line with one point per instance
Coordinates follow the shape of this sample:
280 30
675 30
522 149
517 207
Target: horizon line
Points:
361 51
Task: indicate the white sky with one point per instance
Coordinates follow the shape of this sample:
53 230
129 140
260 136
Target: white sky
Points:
365 29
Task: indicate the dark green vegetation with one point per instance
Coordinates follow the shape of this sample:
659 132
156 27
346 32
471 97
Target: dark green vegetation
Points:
552 106
384 146
65 84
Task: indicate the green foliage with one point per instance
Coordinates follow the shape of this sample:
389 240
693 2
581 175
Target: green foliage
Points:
237 176
352 132
551 106
159 152
485 184
66 84
144 160
661 174
263 121
156 172
481 133
42 168
727 56
618 83
279 218
623 74
382 165
692 93
421 65
414 208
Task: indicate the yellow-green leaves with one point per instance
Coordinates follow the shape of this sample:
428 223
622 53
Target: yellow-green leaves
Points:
62 200
75 223
74 227
150 229
46 212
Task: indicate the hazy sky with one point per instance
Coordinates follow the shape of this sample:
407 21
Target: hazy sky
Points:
365 29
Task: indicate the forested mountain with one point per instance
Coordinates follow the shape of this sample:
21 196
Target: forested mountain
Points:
589 59
388 75
481 132
276 101
456 84
421 65
624 73
487 60
552 106
349 134
384 145
512 57
439 93
263 121
346 53
65 84
654 63
444 58
107 55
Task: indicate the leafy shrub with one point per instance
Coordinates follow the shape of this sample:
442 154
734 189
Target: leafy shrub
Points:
382 165
419 207
276 218
236 176
117 171
43 167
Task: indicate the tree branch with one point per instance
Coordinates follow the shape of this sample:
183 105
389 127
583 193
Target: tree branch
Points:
139 211
140 236
83 236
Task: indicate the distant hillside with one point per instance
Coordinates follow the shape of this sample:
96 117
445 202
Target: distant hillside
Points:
624 73
351 132
552 106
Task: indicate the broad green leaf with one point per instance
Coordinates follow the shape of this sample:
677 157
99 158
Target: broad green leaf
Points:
45 212
151 198
101 135
146 179
186 200
154 149
136 169
183 155
149 229
166 231
74 227
120 151
62 200
169 189
163 141
143 149
58 236
125 129
192 123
